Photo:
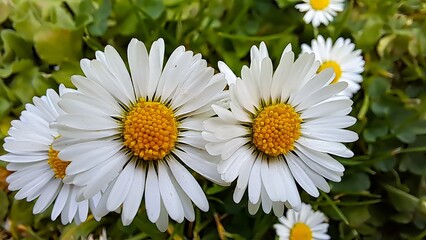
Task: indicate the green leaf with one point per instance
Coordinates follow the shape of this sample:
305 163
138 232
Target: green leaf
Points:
370 33
414 162
77 231
376 129
215 189
261 226
100 18
355 182
406 135
21 82
285 3
144 225
403 217
402 201
356 215
15 44
4 10
384 44
84 13
386 164
336 210
5 106
55 45
153 8
16 67
65 71
377 86
22 212
4 205
26 19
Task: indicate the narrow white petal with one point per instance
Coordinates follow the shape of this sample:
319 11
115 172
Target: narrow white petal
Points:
304 181
334 148
139 66
121 187
168 194
61 200
134 197
188 184
152 195
255 182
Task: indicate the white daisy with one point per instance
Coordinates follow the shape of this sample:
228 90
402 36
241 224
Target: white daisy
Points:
306 224
346 62
281 127
320 11
38 172
102 236
137 133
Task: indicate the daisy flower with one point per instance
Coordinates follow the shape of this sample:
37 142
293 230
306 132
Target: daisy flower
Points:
346 62
306 224
280 129
135 134
320 11
38 171
102 236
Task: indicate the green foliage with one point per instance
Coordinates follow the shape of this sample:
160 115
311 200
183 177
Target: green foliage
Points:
383 192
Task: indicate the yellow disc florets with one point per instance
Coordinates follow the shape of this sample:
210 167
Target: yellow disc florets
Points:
275 129
336 68
300 231
150 130
57 165
319 4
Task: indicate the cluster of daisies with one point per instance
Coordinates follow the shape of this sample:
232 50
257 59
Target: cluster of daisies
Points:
136 132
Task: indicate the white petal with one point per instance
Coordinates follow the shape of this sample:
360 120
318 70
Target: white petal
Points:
322 94
304 181
87 122
87 155
156 57
334 148
268 182
243 179
229 74
168 194
330 134
325 109
200 163
255 182
152 195
61 200
189 185
47 196
121 187
139 66
119 70
134 197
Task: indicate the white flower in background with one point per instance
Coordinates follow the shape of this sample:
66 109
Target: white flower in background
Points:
320 11
282 126
346 62
102 236
306 224
135 134
38 172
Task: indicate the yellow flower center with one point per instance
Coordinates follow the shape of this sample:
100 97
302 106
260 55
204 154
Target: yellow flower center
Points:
335 66
300 231
150 130
275 129
319 4
57 165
